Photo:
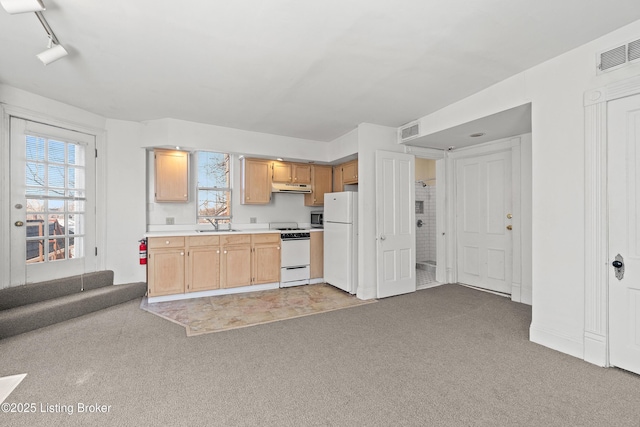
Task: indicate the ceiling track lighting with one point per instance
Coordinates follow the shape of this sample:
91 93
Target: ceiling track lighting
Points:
54 50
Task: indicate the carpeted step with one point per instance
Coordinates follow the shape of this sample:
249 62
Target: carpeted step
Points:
36 292
34 316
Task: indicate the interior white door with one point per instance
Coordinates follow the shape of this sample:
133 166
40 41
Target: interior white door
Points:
395 217
624 231
483 206
52 202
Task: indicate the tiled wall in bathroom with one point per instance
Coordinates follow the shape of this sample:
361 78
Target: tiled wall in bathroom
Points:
426 235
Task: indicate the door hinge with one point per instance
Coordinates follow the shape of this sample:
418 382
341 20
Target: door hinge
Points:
96 251
96 153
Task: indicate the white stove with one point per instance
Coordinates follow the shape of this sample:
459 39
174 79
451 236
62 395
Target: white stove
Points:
295 254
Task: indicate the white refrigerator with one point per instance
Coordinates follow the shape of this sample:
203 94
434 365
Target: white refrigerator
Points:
341 240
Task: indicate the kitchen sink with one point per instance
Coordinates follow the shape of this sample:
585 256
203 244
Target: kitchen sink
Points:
232 230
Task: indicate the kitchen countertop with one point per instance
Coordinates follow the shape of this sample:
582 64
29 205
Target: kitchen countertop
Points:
173 233
170 233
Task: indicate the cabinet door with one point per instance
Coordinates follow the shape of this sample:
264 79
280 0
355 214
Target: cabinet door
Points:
204 268
236 266
302 174
165 272
256 181
282 172
317 255
266 263
320 185
350 172
337 179
171 176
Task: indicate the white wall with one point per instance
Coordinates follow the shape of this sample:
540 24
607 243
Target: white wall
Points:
555 89
125 200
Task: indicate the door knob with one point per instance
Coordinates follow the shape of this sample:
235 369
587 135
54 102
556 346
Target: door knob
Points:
618 264
509 216
382 237
509 227
19 223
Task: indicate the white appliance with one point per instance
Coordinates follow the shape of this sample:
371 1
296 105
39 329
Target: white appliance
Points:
341 240
295 255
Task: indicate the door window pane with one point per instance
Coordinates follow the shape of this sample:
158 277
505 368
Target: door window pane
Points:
55 200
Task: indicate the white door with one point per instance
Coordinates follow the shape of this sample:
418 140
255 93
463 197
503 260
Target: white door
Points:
395 217
483 206
52 202
624 231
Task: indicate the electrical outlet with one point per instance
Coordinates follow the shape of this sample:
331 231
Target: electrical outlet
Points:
170 220
253 220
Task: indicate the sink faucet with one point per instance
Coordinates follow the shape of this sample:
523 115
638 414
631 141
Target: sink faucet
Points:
214 223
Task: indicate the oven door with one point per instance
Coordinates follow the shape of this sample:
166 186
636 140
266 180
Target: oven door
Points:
295 253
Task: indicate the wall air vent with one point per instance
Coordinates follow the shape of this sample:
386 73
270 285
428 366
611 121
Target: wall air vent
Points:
409 132
633 50
618 57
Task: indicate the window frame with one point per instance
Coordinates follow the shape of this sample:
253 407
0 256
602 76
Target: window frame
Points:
229 189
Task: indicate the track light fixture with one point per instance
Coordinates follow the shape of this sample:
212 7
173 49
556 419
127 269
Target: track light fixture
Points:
53 53
22 6
54 50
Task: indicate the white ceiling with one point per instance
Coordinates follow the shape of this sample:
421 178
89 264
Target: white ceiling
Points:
305 69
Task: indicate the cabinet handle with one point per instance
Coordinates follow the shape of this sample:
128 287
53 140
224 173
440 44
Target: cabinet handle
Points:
278 248
218 252
167 242
225 252
181 253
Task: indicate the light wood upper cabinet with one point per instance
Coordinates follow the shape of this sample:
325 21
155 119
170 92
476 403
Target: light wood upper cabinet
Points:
350 172
266 258
321 183
166 266
256 182
317 255
296 173
171 175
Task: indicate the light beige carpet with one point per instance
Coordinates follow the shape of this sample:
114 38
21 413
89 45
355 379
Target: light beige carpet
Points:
224 312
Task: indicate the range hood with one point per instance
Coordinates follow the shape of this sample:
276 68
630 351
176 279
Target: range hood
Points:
281 187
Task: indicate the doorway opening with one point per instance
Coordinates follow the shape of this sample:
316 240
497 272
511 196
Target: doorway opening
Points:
426 223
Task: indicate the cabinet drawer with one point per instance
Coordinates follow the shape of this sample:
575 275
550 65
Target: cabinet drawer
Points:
266 238
235 240
204 240
165 242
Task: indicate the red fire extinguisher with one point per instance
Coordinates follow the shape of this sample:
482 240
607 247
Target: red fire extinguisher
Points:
143 252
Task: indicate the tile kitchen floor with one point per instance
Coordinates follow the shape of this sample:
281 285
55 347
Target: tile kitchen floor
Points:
223 312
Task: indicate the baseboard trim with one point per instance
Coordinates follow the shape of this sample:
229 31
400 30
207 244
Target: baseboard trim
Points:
595 349
214 292
556 341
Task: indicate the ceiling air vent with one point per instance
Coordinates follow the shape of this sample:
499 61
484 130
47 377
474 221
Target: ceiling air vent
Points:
618 57
409 132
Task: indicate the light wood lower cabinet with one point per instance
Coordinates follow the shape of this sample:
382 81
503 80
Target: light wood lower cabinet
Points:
201 263
266 258
166 265
203 259
316 268
236 261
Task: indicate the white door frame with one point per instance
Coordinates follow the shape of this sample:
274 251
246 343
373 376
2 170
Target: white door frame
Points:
596 274
514 146
8 111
